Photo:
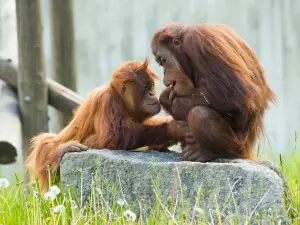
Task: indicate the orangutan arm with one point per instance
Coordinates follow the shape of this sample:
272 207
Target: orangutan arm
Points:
180 106
159 133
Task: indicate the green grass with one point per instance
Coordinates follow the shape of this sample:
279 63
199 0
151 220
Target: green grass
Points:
290 165
16 207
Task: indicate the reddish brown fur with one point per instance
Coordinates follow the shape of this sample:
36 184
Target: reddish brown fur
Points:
225 107
104 121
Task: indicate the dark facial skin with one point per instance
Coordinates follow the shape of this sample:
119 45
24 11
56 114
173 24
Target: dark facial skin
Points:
150 104
174 75
180 96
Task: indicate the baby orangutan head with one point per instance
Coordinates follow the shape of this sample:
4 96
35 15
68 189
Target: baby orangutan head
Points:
134 82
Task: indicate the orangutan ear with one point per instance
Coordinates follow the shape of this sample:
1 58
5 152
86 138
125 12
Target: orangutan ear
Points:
145 64
143 67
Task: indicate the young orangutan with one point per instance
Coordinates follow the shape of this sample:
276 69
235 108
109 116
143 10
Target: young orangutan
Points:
116 116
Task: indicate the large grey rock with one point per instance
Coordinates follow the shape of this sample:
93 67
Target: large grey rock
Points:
234 187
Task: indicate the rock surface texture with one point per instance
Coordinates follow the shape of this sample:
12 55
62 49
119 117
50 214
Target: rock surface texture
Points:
229 188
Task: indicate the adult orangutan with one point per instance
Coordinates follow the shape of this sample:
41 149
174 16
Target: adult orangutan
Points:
116 116
216 84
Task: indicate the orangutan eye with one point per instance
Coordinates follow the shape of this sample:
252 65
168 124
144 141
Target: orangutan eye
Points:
176 41
123 88
162 60
151 86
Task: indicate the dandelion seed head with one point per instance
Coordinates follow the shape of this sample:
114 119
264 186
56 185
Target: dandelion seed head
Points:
54 189
4 183
120 202
50 195
129 215
58 208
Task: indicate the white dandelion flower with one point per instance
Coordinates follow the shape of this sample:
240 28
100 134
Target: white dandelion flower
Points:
120 202
129 215
58 208
54 189
50 195
4 183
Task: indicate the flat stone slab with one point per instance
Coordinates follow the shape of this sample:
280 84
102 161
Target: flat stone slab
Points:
231 188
